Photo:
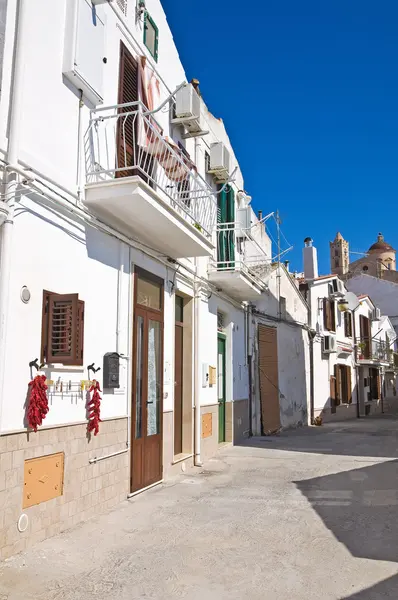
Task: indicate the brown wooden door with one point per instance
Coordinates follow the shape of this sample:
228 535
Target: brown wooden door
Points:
147 401
364 328
127 126
268 375
178 390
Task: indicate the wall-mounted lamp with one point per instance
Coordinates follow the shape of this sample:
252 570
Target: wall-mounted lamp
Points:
342 305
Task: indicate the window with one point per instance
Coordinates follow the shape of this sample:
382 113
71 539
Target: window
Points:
62 337
220 321
207 162
179 309
342 374
149 293
329 316
151 36
122 4
347 324
365 268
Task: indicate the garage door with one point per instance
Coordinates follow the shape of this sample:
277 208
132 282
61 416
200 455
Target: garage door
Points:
268 375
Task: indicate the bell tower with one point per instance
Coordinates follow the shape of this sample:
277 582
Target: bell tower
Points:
339 258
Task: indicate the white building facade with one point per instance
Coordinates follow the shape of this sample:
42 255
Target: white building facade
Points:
131 261
352 347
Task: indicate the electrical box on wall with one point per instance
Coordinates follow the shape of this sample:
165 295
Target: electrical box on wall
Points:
84 49
111 370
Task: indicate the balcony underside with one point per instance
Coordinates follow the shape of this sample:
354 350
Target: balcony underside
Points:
134 208
236 283
369 362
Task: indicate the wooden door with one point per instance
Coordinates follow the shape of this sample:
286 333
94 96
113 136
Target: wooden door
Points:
221 387
269 381
178 389
364 328
147 401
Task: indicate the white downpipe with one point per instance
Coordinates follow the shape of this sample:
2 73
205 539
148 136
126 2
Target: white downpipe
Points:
197 386
119 295
15 118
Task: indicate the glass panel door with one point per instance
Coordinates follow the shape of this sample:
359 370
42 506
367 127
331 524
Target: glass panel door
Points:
139 377
154 377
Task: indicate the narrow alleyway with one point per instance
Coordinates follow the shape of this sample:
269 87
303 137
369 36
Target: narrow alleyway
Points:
310 514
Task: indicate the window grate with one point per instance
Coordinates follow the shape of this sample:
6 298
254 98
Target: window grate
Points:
122 4
220 321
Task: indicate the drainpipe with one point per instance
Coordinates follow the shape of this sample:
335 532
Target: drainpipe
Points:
249 353
355 358
15 112
197 385
312 407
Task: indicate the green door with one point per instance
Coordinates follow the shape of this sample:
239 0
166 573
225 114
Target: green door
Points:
226 238
221 387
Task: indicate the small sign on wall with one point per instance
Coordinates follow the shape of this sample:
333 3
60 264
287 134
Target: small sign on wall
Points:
212 375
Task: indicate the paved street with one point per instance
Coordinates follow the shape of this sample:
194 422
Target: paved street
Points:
309 514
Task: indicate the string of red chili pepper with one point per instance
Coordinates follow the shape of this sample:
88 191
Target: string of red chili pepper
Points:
38 402
94 408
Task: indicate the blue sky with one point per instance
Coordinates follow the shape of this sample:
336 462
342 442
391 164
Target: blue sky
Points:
309 94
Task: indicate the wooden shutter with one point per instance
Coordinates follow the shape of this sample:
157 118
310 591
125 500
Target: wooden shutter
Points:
127 128
333 393
337 374
326 314
268 376
349 384
364 327
62 329
332 317
347 324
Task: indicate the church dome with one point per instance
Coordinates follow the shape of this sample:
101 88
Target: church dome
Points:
381 245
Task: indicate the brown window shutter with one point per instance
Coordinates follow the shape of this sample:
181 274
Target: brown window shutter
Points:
349 388
337 374
332 316
62 336
333 393
79 333
347 324
127 128
325 313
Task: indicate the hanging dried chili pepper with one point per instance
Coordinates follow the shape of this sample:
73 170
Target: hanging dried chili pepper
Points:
38 402
94 408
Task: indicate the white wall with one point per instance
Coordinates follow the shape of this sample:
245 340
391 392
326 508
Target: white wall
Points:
384 294
293 348
324 363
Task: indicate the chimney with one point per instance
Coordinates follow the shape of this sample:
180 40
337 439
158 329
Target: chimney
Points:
310 259
260 215
286 263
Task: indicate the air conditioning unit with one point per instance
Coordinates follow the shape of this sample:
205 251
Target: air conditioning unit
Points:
338 288
189 111
219 162
329 344
243 220
376 314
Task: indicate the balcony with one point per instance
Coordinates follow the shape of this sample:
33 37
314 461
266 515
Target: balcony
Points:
146 185
240 266
373 352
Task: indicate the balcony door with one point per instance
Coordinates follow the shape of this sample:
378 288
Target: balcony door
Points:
147 401
129 152
226 229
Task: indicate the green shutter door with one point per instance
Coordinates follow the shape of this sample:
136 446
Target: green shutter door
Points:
226 239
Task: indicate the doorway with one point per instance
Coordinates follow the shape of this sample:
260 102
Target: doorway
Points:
147 401
178 374
221 352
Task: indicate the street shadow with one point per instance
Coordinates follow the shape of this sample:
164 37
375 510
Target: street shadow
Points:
385 589
360 508
374 436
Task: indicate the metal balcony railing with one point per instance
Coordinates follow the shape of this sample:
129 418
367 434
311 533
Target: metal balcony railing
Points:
237 251
375 350
126 140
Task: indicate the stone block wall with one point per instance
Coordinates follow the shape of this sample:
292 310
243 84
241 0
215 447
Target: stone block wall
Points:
89 489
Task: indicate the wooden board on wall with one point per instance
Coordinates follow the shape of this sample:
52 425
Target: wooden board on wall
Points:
43 479
207 425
